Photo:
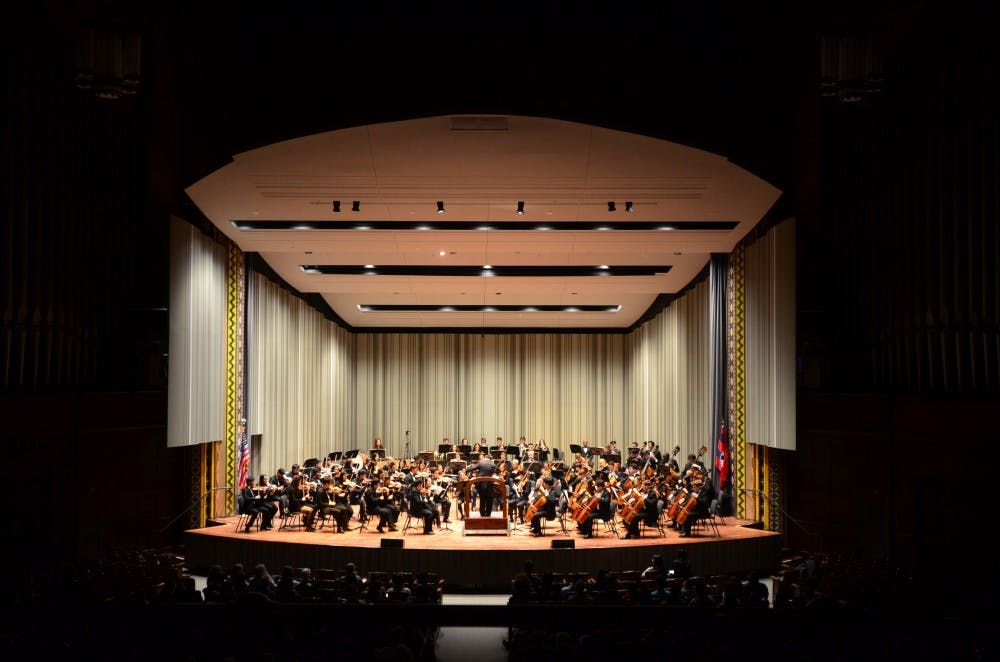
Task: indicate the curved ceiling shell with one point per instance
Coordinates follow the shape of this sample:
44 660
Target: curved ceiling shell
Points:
391 258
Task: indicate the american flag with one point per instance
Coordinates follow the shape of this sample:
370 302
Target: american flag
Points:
244 459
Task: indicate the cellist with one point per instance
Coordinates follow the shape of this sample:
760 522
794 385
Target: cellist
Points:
649 513
597 507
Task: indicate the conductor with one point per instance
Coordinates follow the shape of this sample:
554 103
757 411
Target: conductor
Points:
485 467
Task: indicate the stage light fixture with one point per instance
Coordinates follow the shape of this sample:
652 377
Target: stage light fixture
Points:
356 205
611 205
440 204
336 206
628 206
520 206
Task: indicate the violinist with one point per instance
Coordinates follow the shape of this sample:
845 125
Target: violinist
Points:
297 502
692 463
421 506
376 502
255 506
281 482
599 510
518 485
551 491
438 487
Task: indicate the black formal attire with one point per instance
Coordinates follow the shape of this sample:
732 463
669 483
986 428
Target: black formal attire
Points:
705 495
520 494
603 511
281 485
485 467
548 511
420 506
375 506
256 507
649 515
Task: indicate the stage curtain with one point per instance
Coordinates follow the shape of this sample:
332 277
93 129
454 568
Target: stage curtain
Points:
770 338
196 368
300 382
668 377
557 387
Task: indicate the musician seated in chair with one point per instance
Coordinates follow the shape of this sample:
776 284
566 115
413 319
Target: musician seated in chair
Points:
706 492
649 516
548 509
601 511
421 506
254 506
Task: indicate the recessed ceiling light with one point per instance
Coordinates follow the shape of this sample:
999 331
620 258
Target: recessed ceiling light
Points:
440 206
424 227
603 266
665 227
602 227
484 227
441 253
628 206
543 227
446 309
520 206
362 227
369 266
570 309
302 226
487 266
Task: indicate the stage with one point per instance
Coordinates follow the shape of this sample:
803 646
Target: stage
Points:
479 560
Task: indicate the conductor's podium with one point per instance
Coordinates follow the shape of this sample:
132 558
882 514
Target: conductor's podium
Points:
485 524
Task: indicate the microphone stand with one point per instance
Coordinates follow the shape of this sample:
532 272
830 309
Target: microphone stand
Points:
194 503
776 504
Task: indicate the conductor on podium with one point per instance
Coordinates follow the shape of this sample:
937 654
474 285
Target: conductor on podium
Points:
485 467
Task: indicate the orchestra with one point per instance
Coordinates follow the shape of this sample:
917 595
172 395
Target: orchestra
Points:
648 487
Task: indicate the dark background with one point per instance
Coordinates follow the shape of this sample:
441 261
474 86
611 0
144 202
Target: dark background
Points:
895 196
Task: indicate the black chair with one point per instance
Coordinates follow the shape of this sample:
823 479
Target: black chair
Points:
244 516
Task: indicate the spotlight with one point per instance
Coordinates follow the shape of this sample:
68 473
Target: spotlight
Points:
336 206
440 206
356 205
520 206
628 207
611 205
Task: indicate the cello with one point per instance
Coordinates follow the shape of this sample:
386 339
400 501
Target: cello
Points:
585 511
533 509
634 507
687 508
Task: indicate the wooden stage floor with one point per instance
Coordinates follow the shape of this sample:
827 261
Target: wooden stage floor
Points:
477 559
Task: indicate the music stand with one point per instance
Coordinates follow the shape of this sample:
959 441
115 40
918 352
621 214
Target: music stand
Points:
350 455
534 468
513 451
612 457
543 455
335 455
311 462
496 453
454 466
444 448
465 450
376 453
575 449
